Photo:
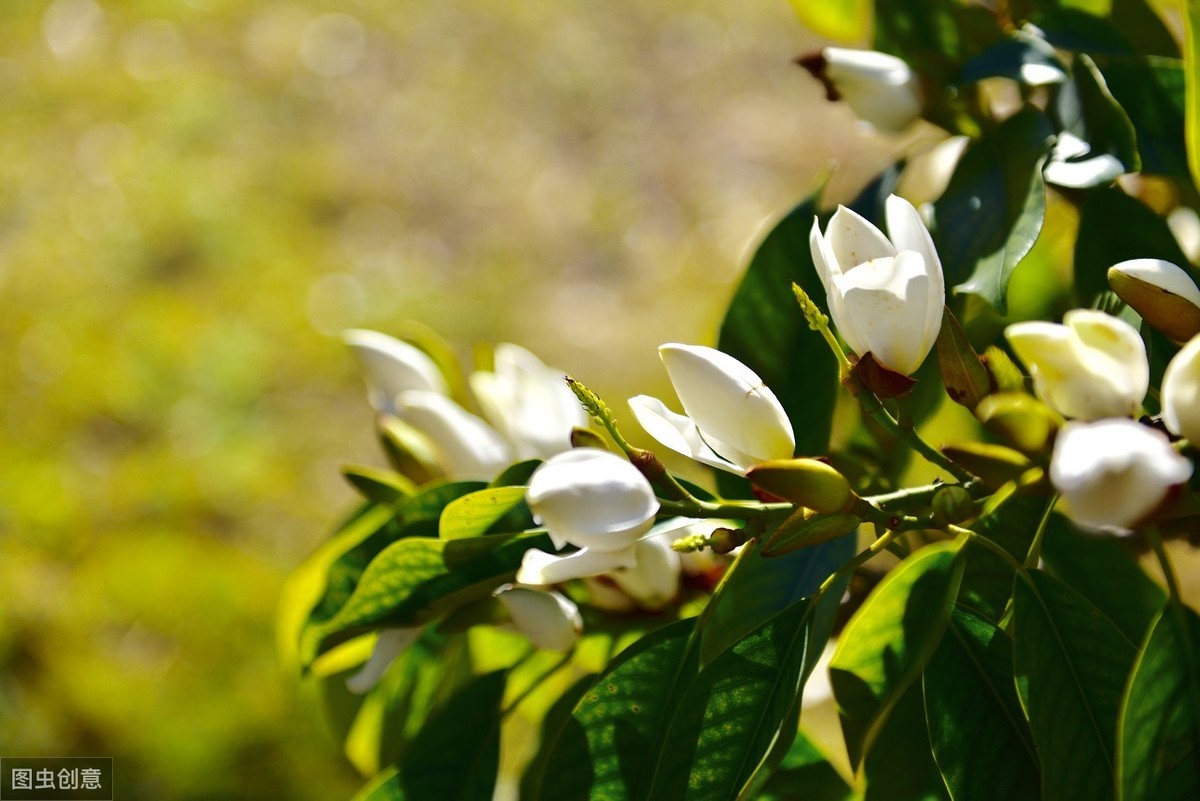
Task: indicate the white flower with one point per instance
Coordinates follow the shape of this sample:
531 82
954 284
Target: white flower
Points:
1185 225
1090 367
885 297
528 402
467 446
1113 474
592 499
1181 392
879 88
733 421
391 367
549 619
654 580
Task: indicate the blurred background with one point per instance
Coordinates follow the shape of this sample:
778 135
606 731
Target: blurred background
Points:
195 197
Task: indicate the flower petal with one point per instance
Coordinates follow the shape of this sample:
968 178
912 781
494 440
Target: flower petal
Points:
889 299
391 367
654 581
549 619
468 446
539 568
677 432
1181 392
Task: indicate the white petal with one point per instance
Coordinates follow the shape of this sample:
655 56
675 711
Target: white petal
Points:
738 415
1085 173
549 619
853 239
908 232
927 174
390 644
1181 392
677 432
889 300
468 445
879 88
654 580
822 256
539 568
1164 275
593 499
1185 225
392 366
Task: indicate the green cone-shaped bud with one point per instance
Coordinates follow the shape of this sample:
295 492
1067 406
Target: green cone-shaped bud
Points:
953 504
1162 293
806 528
587 438
810 483
724 540
1023 421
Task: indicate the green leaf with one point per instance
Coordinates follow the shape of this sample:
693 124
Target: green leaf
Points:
1158 737
765 330
418 515
1191 73
415 578
498 508
992 211
1070 664
559 731
1114 227
379 486
842 20
884 646
900 764
456 756
806 773
1106 573
1086 108
517 475
1011 58
988 579
980 739
756 588
1152 93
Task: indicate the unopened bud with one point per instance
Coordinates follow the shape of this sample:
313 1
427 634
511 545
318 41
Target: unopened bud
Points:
1162 293
953 504
1022 420
724 540
810 483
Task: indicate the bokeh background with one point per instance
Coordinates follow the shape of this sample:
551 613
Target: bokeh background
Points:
195 197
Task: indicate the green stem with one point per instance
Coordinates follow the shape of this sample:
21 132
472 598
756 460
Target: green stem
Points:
863 556
748 510
872 407
818 321
994 547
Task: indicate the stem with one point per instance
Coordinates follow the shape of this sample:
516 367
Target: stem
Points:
864 555
919 496
907 434
747 510
996 548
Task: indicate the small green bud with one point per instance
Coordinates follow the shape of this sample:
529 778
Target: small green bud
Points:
810 483
1022 420
1005 375
690 543
806 528
1162 293
724 540
953 504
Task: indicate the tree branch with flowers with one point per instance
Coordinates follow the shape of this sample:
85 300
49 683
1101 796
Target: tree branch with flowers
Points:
525 581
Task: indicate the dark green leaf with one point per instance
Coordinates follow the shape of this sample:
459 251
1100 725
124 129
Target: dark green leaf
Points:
1086 108
992 211
988 579
1106 573
343 558
1071 664
1152 93
419 514
884 646
456 756
765 330
517 475
1013 57
379 486
1114 227
900 766
559 731
1133 29
980 739
805 773
496 509
1158 746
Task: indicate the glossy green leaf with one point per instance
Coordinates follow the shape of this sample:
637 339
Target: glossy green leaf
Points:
764 329
900 765
560 731
475 514
977 730
516 475
1086 108
456 756
416 577
1012 58
988 579
1151 90
379 486
937 36
843 20
1158 737
1114 227
1106 572
992 211
1070 664
806 773
756 588
419 514
884 646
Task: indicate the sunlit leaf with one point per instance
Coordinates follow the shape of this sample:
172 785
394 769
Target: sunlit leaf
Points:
843 20
980 739
1191 73
379 486
884 646
1071 664
474 514
1158 737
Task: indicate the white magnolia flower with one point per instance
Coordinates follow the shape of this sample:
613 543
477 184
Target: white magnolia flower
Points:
1091 366
1185 225
1181 392
467 446
653 582
1113 474
733 421
528 402
391 366
390 644
885 297
880 89
592 499
549 619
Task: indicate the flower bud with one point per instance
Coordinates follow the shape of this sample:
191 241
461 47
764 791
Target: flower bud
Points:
885 296
391 367
1163 294
725 540
1181 392
880 89
1090 367
810 483
732 420
952 504
1114 474
549 619
1022 421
